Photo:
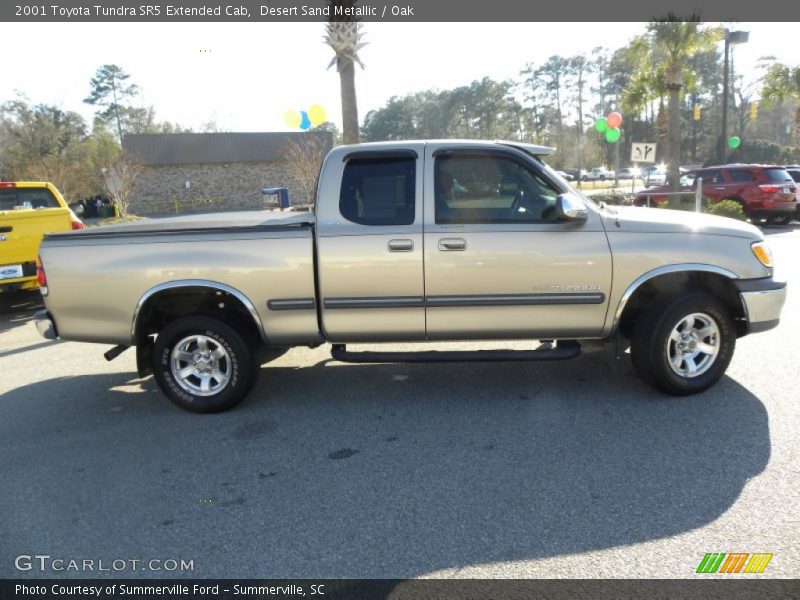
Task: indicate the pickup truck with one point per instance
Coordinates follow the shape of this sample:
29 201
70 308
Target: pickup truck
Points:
27 211
414 241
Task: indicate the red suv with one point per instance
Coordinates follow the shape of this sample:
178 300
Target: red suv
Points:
764 191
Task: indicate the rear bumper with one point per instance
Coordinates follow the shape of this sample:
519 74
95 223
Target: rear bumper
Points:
762 300
45 325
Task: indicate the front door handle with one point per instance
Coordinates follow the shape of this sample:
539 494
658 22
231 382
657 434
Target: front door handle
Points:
401 245
451 244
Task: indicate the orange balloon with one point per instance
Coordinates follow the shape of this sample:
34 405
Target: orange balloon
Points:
614 120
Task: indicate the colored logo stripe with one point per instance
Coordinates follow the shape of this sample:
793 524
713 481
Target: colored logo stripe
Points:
733 563
758 562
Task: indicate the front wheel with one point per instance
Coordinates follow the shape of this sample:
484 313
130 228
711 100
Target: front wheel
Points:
683 346
202 364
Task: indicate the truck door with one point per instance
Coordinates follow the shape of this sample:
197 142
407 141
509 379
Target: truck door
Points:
498 262
369 244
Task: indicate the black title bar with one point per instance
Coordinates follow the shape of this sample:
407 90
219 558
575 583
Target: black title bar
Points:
382 10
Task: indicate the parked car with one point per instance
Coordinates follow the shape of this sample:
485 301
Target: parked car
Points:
794 173
597 174
414 241
629 173
27 211
766 193
655 175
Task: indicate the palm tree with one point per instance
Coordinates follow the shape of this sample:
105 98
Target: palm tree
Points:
671 43
345 38
782 84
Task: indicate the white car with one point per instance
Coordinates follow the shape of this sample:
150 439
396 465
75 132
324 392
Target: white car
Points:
654 176
598 174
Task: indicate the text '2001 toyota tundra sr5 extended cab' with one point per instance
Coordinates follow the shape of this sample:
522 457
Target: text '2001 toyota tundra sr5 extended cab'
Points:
414 241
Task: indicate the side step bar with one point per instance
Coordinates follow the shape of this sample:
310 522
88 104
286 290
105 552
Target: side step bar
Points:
563 350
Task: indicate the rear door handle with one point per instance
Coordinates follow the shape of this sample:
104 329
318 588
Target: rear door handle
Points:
401 245
451 244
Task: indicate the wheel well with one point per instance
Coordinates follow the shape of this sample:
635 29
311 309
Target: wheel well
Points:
173 303
672 285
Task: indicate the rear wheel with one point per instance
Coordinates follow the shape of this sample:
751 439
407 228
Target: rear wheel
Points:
684 345
202 364
780 219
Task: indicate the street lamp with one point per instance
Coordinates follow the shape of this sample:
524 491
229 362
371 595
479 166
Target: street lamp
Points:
731 39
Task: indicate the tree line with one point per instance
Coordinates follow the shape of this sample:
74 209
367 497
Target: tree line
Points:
667 80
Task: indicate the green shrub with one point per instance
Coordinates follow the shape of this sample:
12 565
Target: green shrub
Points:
728 208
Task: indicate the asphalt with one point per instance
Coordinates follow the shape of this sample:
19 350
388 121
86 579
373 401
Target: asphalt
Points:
568 469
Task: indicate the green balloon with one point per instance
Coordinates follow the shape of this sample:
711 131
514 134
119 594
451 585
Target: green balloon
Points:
612 135
734 142
601 124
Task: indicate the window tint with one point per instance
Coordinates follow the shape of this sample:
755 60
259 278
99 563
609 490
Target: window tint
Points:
27 197
777 175
378 191
479 188
712 177
794 175
739 175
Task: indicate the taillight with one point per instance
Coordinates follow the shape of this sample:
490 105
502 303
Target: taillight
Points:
769 189
76 225
7 184
40 276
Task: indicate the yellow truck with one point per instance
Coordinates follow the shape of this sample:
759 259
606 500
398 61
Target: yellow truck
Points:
28 210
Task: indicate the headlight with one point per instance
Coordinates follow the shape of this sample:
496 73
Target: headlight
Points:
763 253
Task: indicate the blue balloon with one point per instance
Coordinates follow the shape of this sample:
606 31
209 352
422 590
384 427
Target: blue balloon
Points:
305 123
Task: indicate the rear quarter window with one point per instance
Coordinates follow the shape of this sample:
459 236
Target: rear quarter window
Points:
777 175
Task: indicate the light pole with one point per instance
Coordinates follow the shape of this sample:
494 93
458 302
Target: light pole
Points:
731 39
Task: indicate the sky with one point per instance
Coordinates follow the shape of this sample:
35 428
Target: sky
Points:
245 76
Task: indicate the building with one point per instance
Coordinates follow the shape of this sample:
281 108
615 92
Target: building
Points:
199 172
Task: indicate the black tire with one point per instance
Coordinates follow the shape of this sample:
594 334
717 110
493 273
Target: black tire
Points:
651 346
237 363
780 219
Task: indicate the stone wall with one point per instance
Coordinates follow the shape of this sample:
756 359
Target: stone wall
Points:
212 187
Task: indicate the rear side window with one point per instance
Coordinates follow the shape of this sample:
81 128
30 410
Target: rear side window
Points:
794 175
378 191
777 175
12 198
742 176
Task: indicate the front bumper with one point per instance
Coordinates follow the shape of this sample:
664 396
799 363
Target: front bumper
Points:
762 300
45 325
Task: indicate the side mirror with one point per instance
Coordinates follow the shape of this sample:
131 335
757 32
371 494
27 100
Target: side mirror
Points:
570 207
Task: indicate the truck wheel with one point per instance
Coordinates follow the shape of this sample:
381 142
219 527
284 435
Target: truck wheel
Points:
684 345
202 364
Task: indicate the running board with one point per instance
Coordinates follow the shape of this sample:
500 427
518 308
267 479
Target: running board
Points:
563 350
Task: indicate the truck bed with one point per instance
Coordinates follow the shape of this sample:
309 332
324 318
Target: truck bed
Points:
97 277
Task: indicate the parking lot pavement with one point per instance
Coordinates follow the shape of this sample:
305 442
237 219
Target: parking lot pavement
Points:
564 469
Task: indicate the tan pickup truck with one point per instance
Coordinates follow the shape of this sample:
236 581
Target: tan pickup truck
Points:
414 241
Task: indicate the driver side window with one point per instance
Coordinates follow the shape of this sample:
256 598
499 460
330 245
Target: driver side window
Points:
490 189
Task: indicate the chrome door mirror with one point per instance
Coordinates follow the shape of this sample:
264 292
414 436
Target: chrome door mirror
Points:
570 207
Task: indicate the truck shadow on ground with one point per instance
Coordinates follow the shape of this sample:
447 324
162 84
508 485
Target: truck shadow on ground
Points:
18 308
391 470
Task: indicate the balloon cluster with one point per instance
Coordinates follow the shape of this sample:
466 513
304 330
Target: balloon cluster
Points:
609 126
734 142
305 119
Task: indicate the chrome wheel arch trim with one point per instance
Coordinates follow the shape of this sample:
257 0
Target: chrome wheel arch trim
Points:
205 283
658 271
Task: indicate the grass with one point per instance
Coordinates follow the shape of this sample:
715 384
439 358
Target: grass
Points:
116 220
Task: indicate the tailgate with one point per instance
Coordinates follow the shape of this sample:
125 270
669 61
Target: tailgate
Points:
21 232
